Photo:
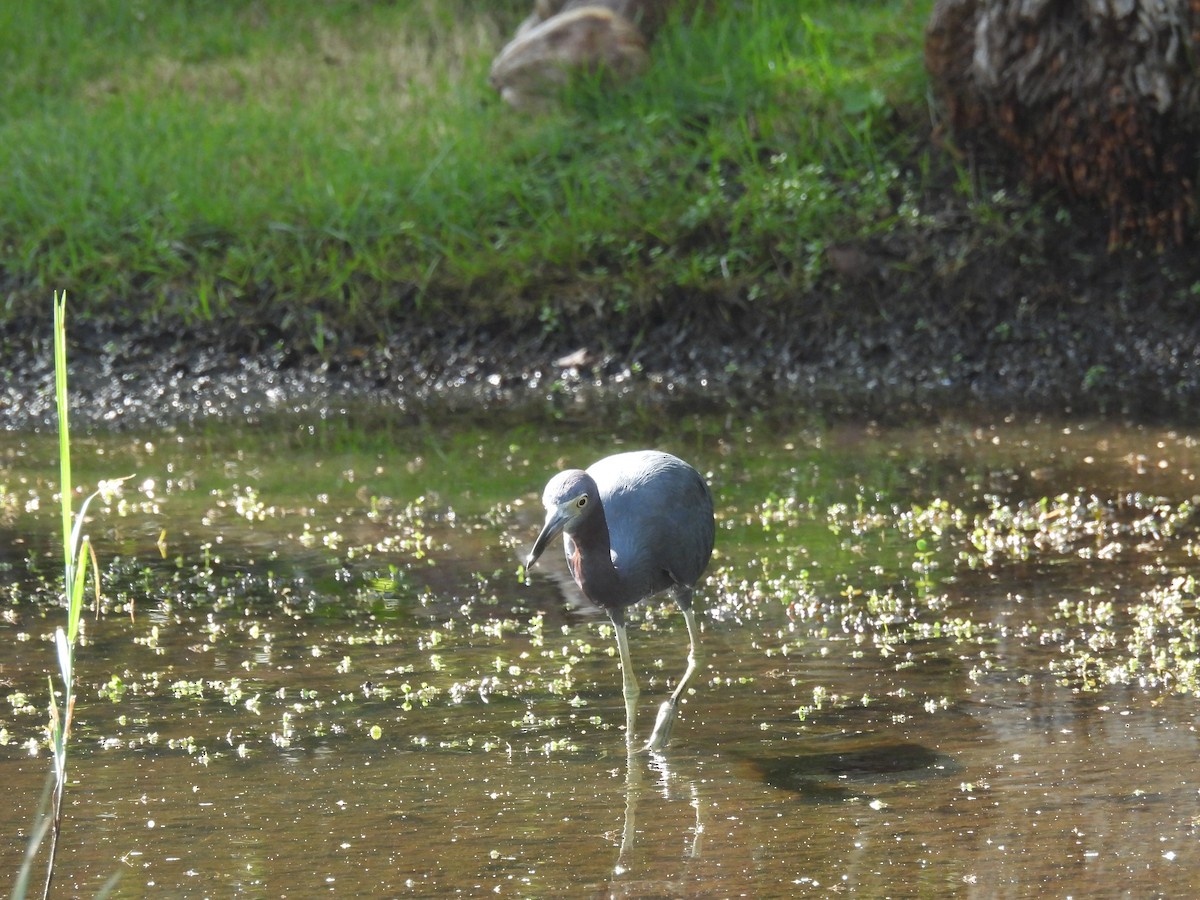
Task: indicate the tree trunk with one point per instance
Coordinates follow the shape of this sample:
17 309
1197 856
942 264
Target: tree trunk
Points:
1100 97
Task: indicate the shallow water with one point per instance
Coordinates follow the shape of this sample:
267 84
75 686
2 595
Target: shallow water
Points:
949 660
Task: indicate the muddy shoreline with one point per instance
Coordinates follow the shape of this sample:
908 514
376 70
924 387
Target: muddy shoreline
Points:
1136 359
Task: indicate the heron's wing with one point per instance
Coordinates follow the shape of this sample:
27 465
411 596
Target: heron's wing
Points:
660 519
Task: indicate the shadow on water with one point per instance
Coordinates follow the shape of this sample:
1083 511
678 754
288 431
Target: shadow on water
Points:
954 660
837 775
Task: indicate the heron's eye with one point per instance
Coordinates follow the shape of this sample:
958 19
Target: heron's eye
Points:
581 502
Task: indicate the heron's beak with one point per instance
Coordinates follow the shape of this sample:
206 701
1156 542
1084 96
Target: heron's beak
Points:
555 520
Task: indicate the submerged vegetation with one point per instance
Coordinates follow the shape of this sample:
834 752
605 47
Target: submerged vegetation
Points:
886 608
366 604
323 168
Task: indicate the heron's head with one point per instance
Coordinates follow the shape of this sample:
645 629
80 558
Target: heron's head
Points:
568 498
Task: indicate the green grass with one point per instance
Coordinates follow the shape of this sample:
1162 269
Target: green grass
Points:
331 166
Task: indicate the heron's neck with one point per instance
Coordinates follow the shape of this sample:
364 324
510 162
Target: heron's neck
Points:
593 567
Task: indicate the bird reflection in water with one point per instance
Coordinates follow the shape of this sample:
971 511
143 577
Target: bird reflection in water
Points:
668 784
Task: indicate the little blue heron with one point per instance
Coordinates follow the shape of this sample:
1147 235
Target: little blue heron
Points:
634 525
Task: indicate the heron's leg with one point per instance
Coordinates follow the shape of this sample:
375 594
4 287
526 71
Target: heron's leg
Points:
629 684
666 713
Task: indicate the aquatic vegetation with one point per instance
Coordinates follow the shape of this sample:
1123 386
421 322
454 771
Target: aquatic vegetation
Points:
79 560
383 620
907 594
1152 643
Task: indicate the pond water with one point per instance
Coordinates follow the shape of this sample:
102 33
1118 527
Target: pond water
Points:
955 659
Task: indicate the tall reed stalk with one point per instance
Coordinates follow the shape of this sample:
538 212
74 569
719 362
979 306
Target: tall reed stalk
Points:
78 555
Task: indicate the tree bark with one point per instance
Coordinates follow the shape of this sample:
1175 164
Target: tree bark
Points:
1099 97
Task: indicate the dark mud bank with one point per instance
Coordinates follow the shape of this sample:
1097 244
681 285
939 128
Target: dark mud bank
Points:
1136 358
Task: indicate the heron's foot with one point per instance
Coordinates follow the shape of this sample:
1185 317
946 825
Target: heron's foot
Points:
661 734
